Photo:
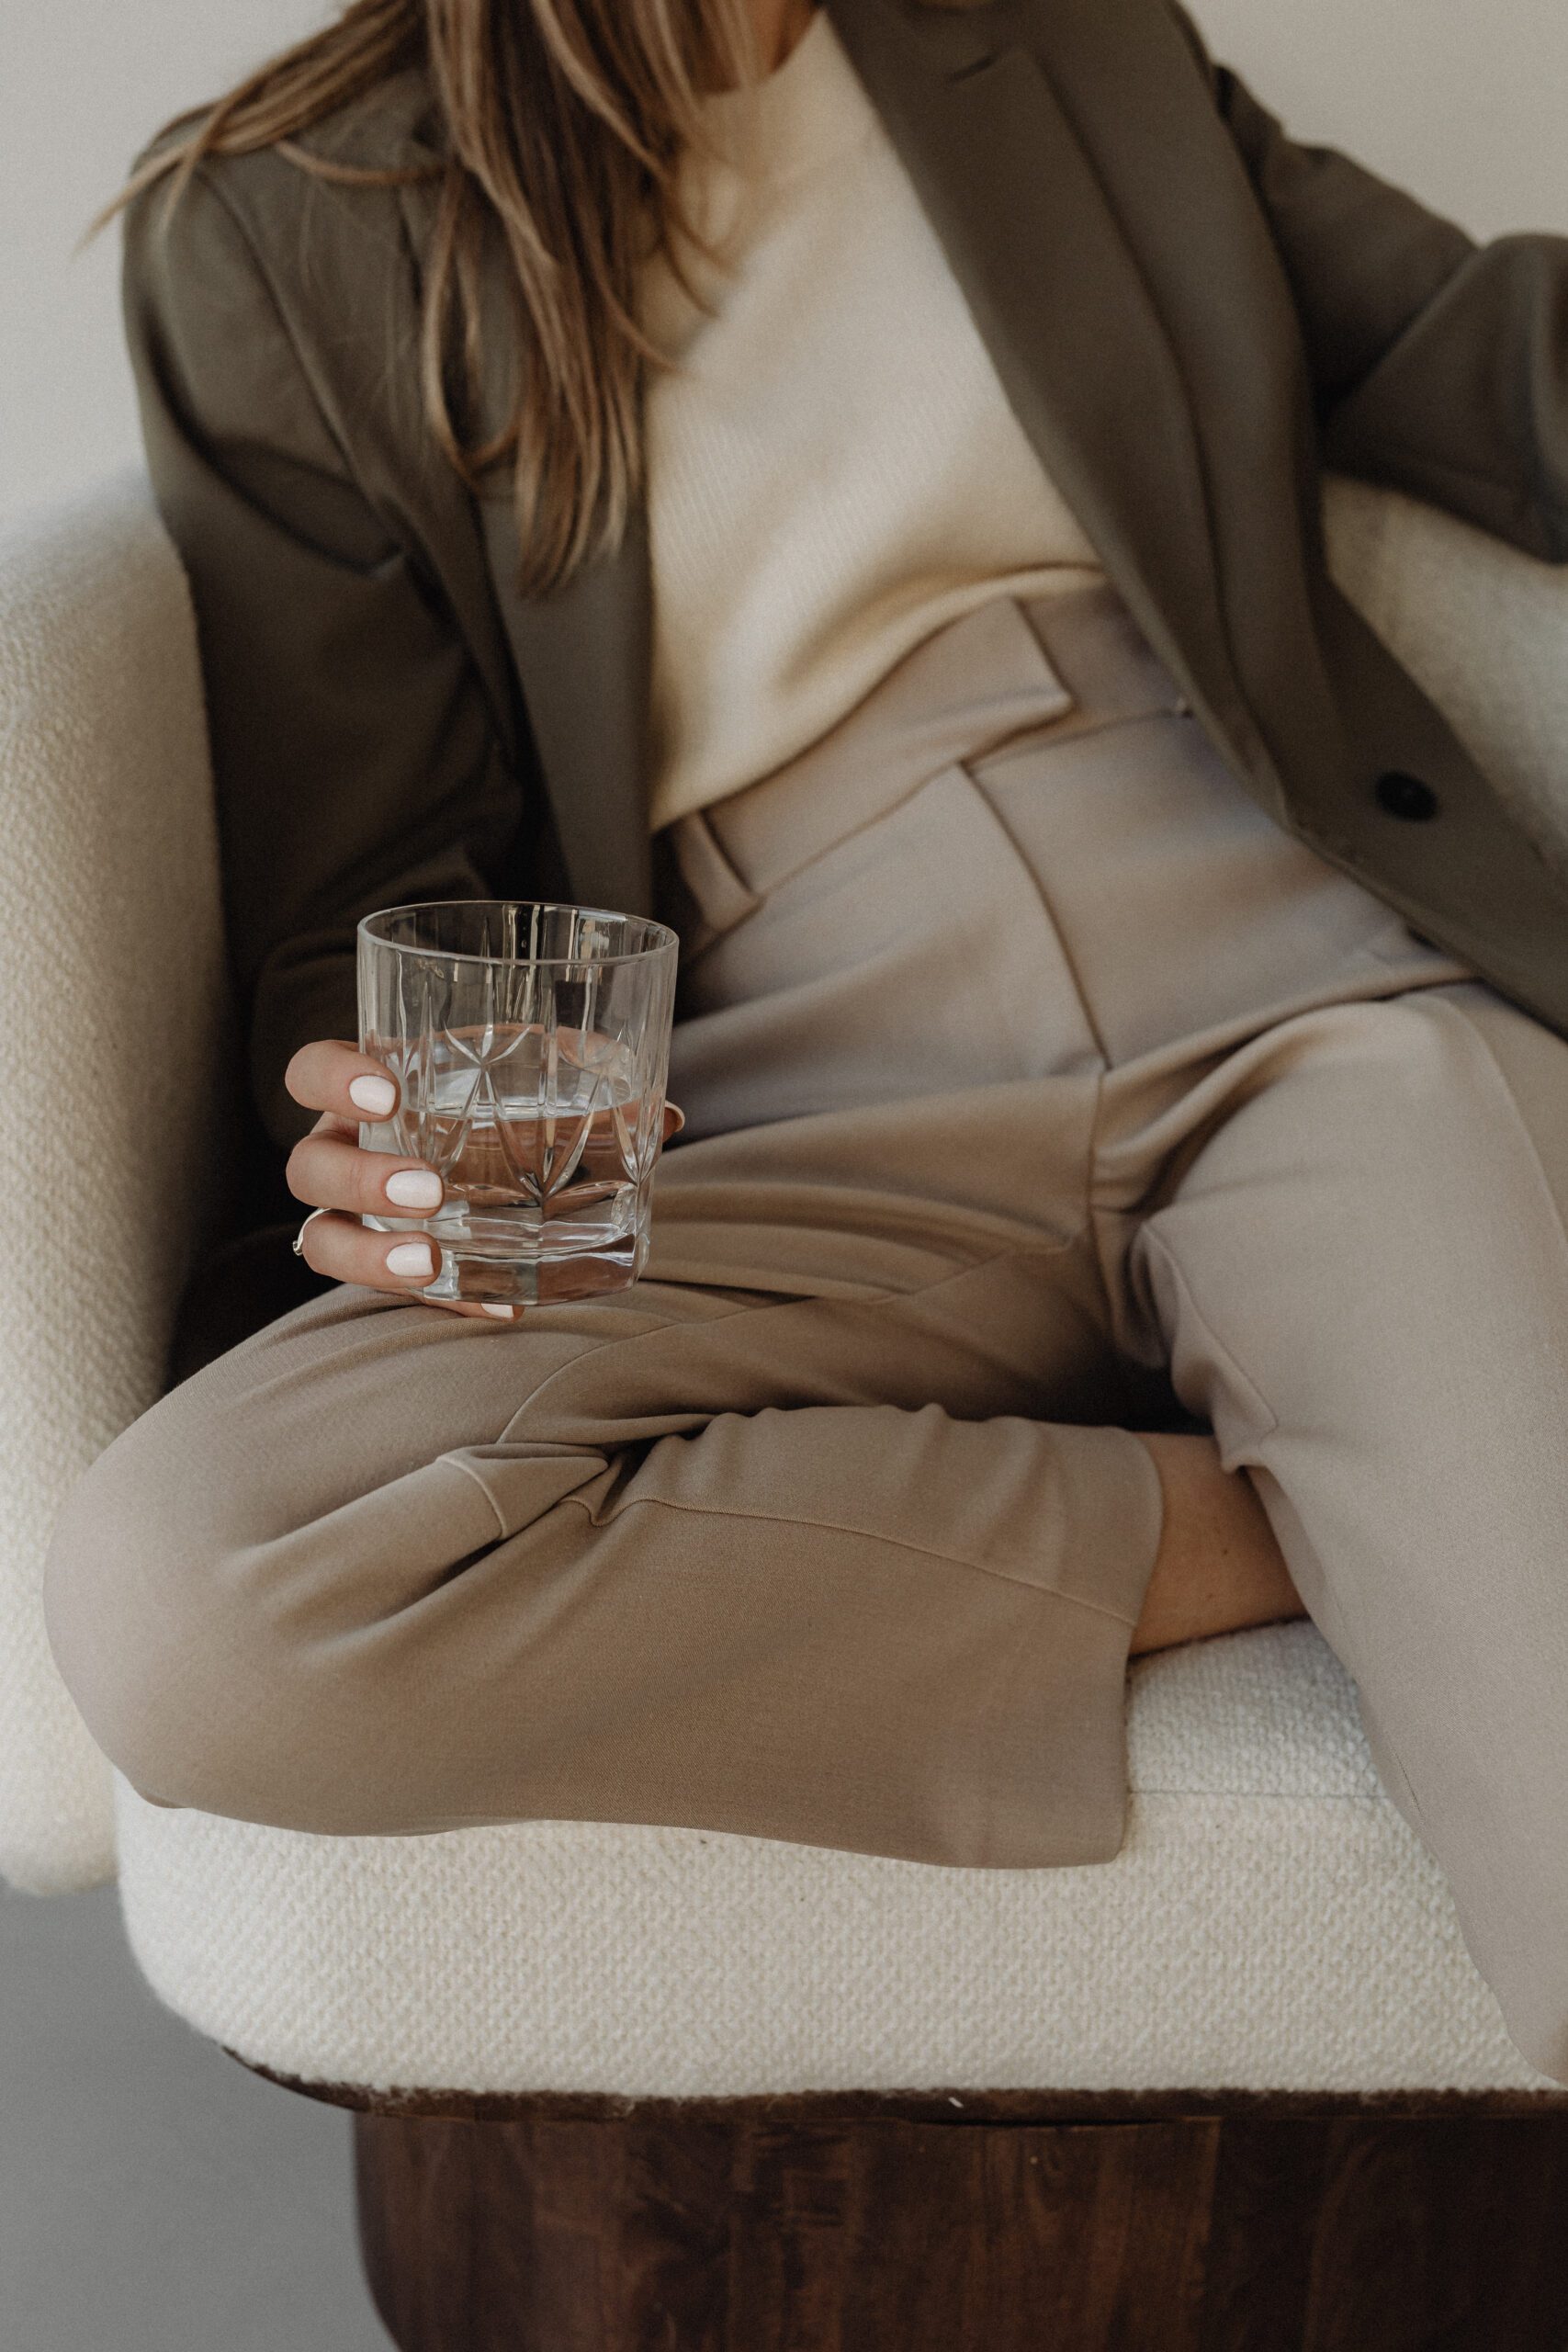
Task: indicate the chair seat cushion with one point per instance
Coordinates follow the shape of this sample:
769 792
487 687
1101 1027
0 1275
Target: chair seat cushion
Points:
1271 1923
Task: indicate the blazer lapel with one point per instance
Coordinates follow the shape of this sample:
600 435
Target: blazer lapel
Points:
582 657
584 661
976 109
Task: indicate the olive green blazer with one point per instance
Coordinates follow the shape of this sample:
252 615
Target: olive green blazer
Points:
1190 313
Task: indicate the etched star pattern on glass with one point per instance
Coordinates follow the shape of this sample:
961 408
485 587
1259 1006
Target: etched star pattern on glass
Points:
531 1044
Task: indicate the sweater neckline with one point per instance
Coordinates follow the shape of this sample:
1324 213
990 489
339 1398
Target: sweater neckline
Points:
799 117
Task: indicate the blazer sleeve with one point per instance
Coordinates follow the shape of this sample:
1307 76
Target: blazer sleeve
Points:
1438 365
357 761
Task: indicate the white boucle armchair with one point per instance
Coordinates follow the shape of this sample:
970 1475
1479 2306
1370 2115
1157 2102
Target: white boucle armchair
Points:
1270 1929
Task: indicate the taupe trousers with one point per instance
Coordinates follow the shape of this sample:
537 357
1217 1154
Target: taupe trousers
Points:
1032 1072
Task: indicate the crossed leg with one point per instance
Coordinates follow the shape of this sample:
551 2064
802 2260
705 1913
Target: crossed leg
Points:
829 1531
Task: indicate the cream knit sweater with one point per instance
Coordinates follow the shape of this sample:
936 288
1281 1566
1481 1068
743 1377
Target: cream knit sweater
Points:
832 471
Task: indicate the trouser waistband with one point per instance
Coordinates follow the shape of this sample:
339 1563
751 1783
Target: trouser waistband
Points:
1009 671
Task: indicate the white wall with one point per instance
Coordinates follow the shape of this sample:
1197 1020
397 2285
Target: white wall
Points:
1463 101
83 85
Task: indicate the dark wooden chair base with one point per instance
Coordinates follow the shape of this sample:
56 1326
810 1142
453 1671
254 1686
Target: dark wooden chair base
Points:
962 2222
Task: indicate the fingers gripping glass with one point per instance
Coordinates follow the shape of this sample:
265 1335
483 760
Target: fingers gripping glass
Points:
531 1047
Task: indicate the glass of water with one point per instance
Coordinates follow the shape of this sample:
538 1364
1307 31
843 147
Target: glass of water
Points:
530 1045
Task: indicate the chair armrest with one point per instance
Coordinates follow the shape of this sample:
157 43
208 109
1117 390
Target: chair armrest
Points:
1482 627
113 1010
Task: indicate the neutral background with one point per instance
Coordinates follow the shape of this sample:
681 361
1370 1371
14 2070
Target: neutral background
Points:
153 2198
1463 101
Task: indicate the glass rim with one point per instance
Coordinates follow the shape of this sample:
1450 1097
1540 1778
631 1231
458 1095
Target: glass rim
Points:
659 945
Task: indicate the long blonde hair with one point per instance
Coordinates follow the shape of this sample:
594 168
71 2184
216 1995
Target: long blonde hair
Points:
562 124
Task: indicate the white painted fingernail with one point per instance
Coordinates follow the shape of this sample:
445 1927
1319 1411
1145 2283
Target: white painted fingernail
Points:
376 1095
415 1188
411 1258
505 1313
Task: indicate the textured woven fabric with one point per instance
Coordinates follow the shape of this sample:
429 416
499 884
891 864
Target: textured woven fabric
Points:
1270 1921
1482 628
109 1001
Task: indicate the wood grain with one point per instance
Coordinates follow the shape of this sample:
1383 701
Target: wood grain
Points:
746 2231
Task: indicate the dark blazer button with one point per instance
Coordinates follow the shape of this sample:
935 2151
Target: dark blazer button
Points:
1405 795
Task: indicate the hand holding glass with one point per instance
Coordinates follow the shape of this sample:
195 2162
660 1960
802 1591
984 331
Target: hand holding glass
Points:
531 1047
